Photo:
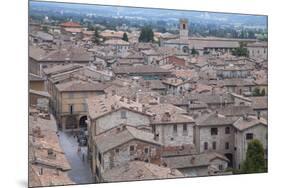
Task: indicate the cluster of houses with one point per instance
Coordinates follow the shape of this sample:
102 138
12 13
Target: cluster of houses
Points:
151 110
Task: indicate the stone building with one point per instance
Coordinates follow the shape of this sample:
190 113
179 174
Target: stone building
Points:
36 82
215 133
204 164
230 136
119 145
176 86
247 129
69 102
257 50
171 126
106 112
147 72
121 47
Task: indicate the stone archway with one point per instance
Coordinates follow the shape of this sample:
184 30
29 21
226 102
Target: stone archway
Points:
82 122
71 122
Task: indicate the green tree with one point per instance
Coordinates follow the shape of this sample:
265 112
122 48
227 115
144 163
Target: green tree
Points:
194 52
241 50
256 92
255 161
96 36
146 35
125 37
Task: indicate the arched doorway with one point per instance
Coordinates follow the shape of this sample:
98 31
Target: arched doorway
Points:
71 122
230 158
82 122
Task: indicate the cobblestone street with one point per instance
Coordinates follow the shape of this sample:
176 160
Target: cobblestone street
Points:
80 172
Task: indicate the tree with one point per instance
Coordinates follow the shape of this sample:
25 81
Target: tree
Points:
146 35
255 161
96 36
256 92
241 50
194 52
125 37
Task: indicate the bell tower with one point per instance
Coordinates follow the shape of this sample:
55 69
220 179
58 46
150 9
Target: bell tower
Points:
183 28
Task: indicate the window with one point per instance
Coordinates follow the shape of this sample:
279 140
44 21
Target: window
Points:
214 145
146 150
227 130
249 136
227 145
175 128
184 128
205 145
71 108
214 131
99 157
220 167
123 115
132 148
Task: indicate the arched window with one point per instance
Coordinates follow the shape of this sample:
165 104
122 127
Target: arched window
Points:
227 130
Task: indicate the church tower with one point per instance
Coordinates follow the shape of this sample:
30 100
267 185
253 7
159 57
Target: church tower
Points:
183 28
